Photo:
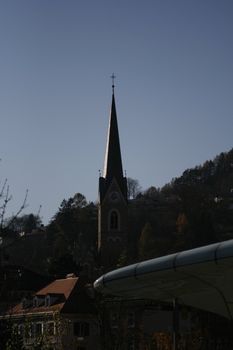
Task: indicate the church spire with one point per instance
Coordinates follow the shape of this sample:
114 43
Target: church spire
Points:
113 86
113 203
113 162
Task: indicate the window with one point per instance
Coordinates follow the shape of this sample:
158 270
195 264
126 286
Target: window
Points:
35 302
114 220
38 300
32 330
28 330
38 328
47 300
25 303
81 329
21 329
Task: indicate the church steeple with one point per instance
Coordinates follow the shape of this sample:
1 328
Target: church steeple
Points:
112 212
113 162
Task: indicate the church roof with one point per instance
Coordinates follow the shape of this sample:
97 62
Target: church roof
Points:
113 162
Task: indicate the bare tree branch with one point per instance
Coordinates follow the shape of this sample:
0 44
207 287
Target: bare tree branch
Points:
22 207
3 188
134 188
7 197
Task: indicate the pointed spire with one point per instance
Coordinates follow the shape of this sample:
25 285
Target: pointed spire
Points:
113 86
113 163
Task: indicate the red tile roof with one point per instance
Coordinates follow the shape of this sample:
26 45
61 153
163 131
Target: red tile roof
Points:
62 287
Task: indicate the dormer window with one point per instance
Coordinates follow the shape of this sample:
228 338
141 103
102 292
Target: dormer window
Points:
35 302
27 302
24 303
47 300
38 300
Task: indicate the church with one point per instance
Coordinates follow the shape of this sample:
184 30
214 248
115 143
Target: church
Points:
113 201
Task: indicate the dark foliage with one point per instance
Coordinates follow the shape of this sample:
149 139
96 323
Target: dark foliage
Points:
192 210
72 236
9 336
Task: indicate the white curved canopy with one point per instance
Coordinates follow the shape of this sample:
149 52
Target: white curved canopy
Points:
201 277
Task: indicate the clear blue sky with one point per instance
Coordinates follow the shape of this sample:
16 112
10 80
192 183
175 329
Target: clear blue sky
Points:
174 91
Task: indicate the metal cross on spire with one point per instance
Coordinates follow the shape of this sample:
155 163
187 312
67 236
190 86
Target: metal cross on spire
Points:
113 78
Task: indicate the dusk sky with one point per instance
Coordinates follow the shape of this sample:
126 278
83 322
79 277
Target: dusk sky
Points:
173 61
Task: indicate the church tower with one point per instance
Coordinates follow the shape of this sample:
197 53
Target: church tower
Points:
113 208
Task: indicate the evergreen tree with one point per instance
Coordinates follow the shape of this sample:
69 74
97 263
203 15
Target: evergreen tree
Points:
147 242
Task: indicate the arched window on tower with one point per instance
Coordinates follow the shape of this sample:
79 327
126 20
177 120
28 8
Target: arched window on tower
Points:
114 220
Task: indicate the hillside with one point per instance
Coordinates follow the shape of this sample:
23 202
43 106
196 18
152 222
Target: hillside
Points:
193 210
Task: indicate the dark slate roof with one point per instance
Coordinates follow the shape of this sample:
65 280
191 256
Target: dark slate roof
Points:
113 163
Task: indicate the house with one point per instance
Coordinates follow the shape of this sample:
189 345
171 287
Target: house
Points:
59 316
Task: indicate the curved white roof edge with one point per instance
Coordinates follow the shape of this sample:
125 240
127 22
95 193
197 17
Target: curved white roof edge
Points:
201 277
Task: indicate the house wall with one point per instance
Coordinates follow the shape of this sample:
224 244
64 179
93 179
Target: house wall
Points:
56 332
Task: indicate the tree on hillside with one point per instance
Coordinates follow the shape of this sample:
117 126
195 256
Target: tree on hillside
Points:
61 266
152 193
72 235
147 242
24 223
134 188
75 202
182 223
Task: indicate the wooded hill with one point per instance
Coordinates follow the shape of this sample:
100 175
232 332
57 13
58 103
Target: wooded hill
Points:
192 210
